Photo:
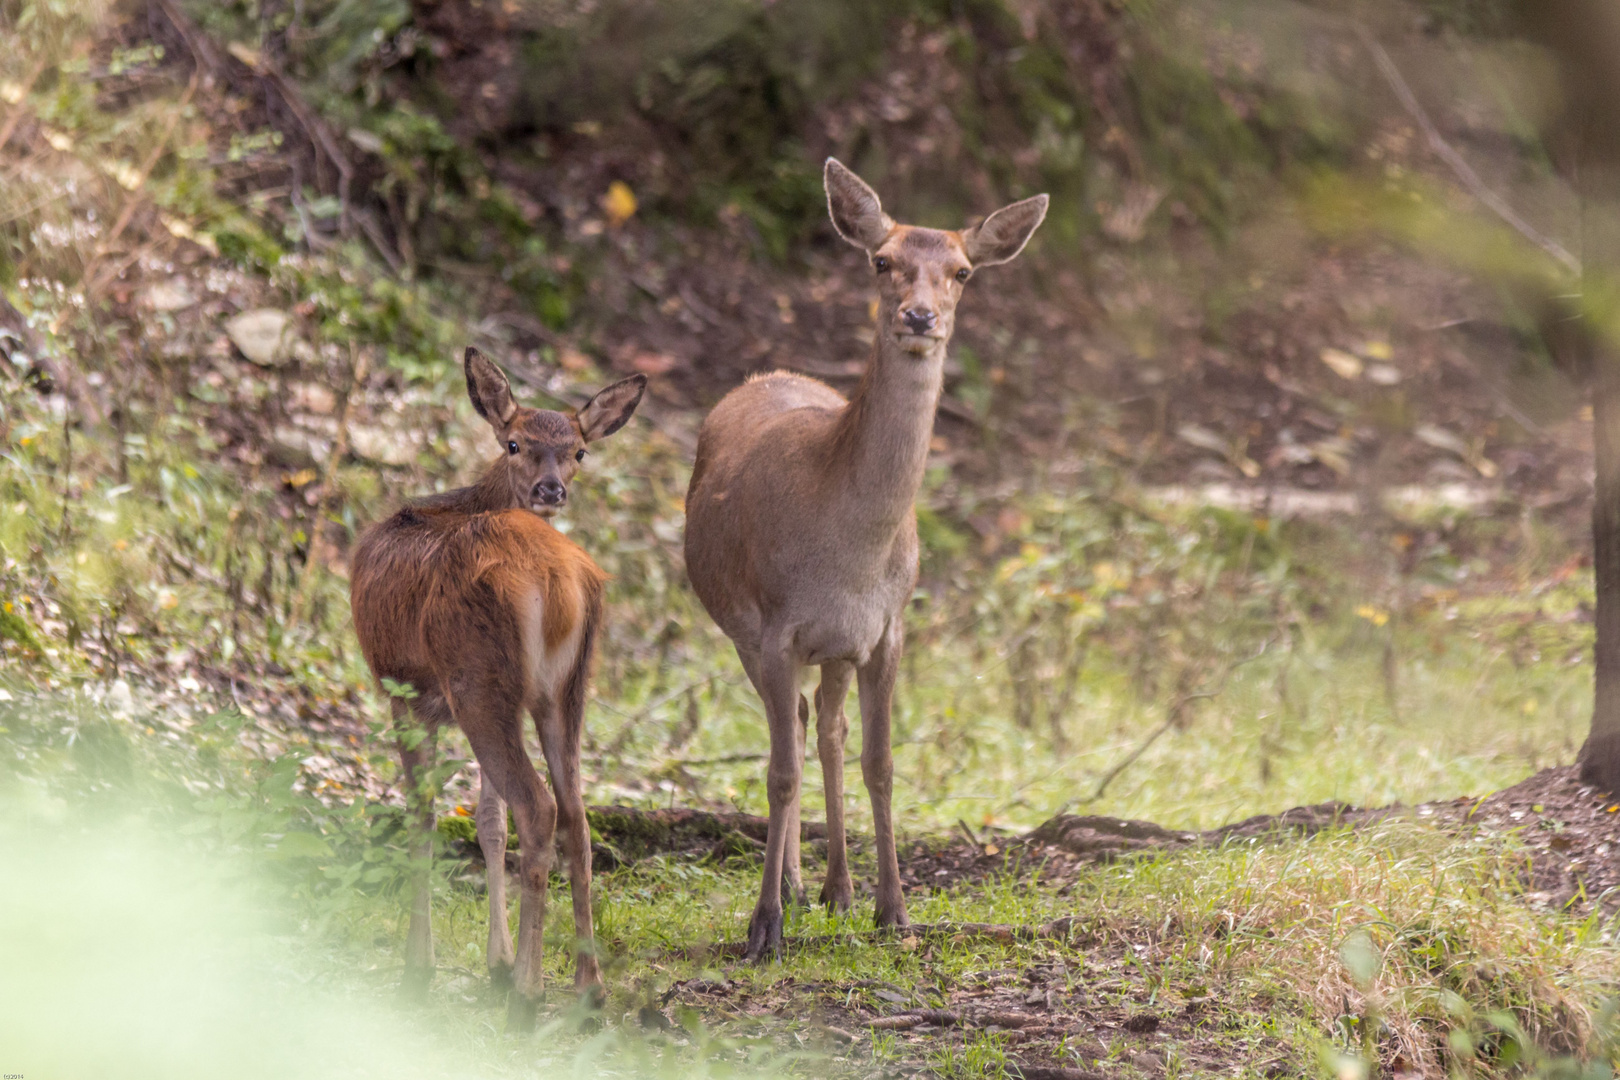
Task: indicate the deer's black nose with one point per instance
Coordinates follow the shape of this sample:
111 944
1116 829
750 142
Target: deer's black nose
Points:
550 490
919 320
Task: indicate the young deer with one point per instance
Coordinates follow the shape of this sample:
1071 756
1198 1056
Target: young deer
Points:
801 537
473 599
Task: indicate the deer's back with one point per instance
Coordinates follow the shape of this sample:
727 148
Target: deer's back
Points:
438 595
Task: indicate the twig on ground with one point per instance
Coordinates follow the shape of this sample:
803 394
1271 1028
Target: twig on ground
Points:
1004 933
1172 715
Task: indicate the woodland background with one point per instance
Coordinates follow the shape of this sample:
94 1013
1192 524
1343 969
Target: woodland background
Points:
1262 480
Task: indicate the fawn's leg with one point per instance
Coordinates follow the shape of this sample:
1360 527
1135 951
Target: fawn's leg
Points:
560 736
492 841
416 758
832 728
502 756
876 682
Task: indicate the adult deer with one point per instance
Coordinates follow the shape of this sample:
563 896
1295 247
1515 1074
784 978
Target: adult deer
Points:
801 536
485 610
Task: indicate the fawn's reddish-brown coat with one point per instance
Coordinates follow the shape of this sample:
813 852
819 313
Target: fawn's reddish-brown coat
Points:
486 611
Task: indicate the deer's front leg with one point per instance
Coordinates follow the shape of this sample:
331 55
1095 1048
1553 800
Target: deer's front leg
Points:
876 682
832 728
778 686
492 841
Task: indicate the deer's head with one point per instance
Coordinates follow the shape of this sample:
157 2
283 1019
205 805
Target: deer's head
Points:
543 448
921 272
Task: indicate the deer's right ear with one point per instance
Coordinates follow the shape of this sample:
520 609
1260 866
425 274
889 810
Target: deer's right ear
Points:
856 212
491 394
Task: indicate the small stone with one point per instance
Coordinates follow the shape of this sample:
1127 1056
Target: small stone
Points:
261 335
311 397
171 295
382 445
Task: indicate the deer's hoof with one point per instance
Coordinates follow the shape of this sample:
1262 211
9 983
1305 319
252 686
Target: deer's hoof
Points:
764 936
500 977
892 914
520 1014
839 895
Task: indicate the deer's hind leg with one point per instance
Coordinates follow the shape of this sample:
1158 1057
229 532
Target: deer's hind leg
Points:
832 728
492 716
876 683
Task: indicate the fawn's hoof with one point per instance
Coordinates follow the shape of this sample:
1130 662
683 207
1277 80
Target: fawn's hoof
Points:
413 988
520 1013
592 994
764 936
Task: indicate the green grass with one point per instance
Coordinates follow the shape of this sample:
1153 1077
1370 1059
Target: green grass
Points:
204 923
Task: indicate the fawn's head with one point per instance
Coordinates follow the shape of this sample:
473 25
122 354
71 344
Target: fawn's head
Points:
543 448
920 271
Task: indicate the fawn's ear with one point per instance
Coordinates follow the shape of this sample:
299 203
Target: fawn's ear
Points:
487 386
611 408
1002 235
856 212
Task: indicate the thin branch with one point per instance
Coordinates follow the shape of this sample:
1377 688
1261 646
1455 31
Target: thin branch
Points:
1173 714
1465 172
148 165
22 105
360 371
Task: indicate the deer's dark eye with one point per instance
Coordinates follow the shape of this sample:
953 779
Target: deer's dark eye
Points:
512 447
579 455
880 264
963 274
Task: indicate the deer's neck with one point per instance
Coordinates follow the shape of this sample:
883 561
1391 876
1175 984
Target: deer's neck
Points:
880 446
490 492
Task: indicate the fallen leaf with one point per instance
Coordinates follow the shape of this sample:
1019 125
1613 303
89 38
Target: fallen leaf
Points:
1345 365
653 363
619 204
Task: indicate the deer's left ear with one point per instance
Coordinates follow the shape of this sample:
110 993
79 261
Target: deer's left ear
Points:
1001 236
611 409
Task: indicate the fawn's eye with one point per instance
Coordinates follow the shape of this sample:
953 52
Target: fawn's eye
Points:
512 447
880 264
579 455
963 274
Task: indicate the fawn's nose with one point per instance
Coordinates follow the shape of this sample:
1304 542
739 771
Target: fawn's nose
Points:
919 320
550 491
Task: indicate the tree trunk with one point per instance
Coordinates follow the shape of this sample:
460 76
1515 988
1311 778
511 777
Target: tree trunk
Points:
1584 35
1600 756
